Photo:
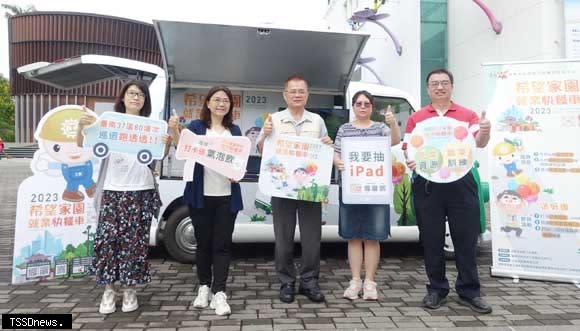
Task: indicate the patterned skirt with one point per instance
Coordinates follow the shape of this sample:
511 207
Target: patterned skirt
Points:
122 238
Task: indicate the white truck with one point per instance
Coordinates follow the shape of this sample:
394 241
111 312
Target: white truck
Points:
253 62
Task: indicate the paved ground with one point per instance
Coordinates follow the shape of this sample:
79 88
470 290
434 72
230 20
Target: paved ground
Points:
166 302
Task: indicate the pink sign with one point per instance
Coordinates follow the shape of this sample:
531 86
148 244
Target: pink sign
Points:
225 155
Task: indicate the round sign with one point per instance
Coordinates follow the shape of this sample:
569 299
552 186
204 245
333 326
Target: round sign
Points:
443 149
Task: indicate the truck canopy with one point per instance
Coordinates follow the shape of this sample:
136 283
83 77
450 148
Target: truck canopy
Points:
202 54
88 69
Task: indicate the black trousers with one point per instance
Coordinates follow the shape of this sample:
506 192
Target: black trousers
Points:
309 217
214 225
457 203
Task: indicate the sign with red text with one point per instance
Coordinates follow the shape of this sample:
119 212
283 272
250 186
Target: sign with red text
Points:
367 175
55 216
297 168
227 155
127 134
442 148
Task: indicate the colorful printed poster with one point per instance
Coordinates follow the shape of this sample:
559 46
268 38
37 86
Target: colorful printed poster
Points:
535 169
128 134
55 215
189 104
402 212
367 175
296 168
227 155
443 149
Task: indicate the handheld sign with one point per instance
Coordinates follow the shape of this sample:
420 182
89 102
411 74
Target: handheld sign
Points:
443 149
227 155
296 167
367 175
127 134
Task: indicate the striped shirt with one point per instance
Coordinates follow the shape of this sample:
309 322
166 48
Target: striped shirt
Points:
377 129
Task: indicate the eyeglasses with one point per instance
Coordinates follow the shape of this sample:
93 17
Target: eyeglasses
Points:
443 83
299 92
361 104
132 94
218 101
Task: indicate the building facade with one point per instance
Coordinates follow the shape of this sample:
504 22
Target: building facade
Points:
53 36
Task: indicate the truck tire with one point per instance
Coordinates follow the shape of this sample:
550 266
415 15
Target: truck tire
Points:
179 236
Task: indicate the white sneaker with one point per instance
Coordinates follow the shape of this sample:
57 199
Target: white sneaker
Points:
108 302
370 290
220 304
129 300
203 297
352 292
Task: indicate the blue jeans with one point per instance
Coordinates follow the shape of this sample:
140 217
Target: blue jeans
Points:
369 222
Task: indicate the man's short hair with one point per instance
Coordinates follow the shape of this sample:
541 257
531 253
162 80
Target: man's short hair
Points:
296 77
440 71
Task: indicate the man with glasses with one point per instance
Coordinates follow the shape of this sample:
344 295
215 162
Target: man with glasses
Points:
296 121
456 202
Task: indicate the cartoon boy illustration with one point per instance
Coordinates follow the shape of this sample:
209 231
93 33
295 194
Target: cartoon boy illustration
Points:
303 175
253 133
56 136
505 152
300 178
511 204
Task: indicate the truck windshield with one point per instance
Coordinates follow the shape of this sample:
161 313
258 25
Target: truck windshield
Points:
401 109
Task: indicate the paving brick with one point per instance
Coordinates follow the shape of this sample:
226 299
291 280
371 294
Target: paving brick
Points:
259 327
525 323
289 326
319 326
555 322
468 323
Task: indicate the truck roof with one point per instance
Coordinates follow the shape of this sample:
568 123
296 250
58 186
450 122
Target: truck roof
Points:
260 57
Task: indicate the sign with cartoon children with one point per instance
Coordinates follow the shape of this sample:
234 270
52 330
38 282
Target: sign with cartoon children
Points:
55 215
367 175
535 169
296 168
443 149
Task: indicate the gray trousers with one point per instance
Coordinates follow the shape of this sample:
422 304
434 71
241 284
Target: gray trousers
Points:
309 218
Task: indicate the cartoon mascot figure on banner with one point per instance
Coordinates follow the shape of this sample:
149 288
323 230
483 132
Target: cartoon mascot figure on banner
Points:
56 135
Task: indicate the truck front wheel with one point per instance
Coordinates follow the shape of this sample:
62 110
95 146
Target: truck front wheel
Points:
179 236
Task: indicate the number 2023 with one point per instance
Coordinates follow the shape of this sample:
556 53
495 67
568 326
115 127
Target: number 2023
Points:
46 197
256 99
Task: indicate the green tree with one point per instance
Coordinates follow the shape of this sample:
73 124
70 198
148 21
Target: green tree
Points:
90 240
11 10
6 111
402 202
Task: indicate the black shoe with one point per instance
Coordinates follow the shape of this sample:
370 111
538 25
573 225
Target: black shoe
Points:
476 304
287 293
433 300
313 293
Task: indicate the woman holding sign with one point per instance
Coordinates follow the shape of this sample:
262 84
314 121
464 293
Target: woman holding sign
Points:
213 201
127 202
364 224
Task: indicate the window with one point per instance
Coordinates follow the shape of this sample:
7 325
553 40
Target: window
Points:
401 109
433 40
